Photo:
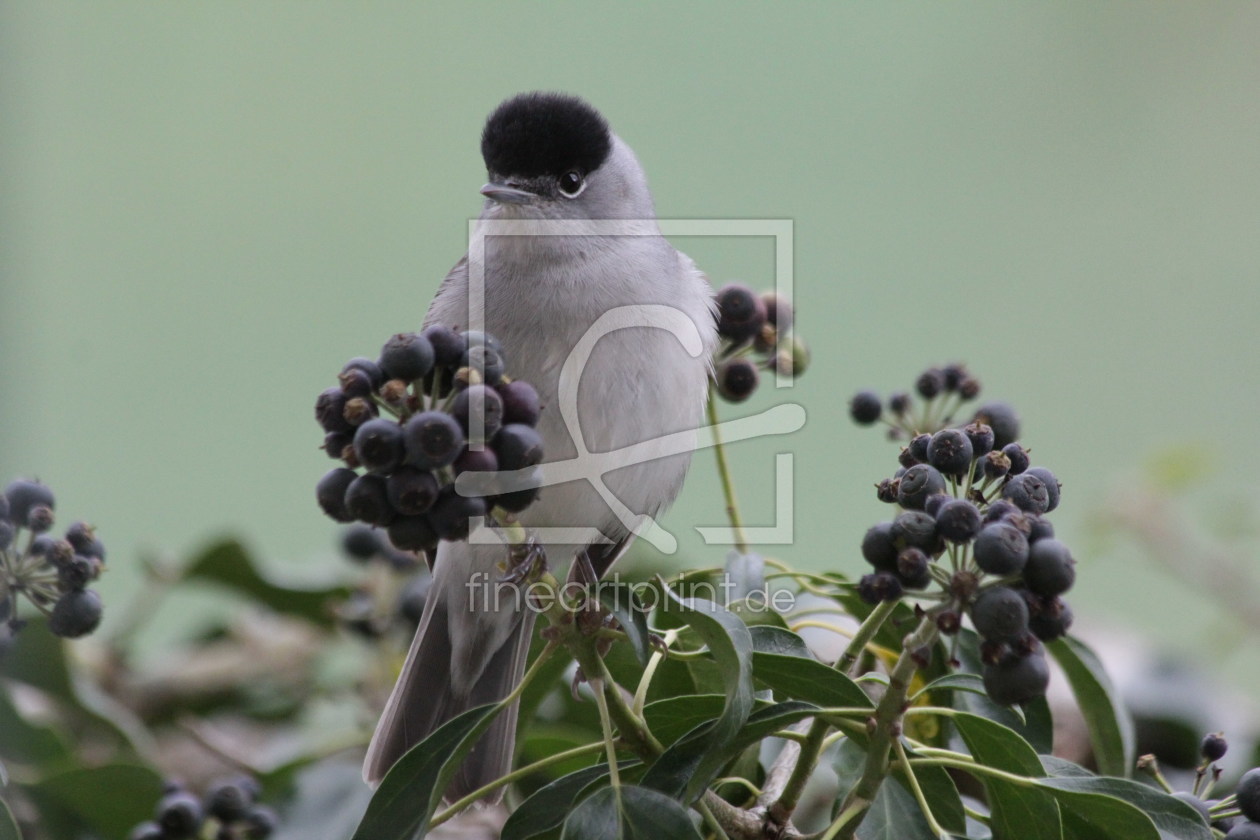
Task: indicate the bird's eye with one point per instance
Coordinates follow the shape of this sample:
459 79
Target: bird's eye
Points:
571 183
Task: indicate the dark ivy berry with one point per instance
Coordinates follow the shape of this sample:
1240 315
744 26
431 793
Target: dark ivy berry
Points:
40 519
1028 493
994 465
1052 485
899 403
367 500
919 447
376 377
1048 618
999 613
933 504
1039 528
1248 794
24 496
865 408
1002 418
1018 457
451 513
378 444
779 312
878 548
912 568
1213 747
1051 569
930 383
228 800
407 356
981 437
1017 680
432 439
330 492
487 360
969 388
355 382
737 379
950 452
520 402
180 815
948 622
360 542
957 520
448 345
479 410
886 490
335 444
260 822
330 408
1000 549
881 586
413 533
905 458
741 312
999 509
915 528
954 375
476 460
76 614
523 492
917 484
518 446
75 573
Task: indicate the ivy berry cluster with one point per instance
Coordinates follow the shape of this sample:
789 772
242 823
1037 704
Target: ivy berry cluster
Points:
228 810
52 574
972 521
756 333
1237 816
434 405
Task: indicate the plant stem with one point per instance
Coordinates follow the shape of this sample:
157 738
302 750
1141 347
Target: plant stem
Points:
605 724
885 728
780 812
724 473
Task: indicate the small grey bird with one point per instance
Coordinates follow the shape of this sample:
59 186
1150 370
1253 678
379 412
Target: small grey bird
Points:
552 158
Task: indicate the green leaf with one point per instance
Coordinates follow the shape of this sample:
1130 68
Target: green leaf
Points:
730 644
412 789
807 679
8 825
1107 718
1123 808
1018 812
894 813
107 801
770 639
674 717
549 805
958 681
629 813
24 742
622 600
228 564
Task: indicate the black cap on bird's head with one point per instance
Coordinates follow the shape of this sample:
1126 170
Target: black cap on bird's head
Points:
544 134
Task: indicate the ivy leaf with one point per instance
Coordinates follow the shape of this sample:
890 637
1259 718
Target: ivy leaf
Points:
1114 807
894 813
730 644
807 679
622 600
1106 716
228 564
412 789
107 801
770 639
1017 812
8 825
629 813
547 807
674 717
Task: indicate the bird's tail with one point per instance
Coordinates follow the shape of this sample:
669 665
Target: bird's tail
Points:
469 650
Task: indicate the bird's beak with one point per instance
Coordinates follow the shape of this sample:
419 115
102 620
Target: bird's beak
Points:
504 194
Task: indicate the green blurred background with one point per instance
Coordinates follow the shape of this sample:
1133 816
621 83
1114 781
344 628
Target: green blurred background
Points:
206 208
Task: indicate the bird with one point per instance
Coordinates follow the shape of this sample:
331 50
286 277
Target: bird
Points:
552 158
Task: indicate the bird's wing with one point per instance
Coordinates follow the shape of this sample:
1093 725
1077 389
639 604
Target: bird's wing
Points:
450 304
